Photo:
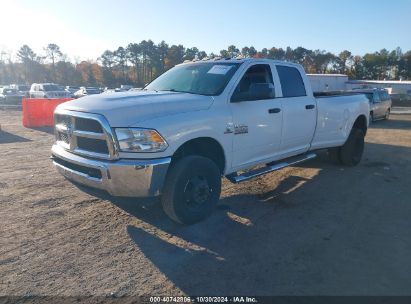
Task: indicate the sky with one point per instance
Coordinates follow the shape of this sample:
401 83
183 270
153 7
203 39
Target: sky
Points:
84 29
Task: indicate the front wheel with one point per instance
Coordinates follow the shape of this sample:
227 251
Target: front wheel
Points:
191 190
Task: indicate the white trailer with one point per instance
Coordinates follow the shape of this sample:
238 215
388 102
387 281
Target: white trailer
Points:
328 82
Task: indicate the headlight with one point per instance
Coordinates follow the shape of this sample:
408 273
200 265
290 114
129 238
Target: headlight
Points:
140 140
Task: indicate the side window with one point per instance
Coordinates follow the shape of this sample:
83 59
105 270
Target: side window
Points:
256 84
377 97
292 83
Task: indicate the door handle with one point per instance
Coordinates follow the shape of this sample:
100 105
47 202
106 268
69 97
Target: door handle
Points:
275 110
309 107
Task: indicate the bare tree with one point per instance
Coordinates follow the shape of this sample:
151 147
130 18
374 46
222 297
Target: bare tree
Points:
53 53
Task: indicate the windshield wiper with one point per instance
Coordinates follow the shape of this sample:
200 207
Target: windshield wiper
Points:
169 90
176 91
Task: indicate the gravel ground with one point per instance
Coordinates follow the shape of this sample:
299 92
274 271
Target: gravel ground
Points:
315 229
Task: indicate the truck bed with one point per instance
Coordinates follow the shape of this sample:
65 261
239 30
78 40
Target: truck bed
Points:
336 112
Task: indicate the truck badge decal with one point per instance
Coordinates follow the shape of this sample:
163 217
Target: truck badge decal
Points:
240 129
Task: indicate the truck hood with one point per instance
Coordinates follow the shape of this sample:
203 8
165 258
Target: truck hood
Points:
128 108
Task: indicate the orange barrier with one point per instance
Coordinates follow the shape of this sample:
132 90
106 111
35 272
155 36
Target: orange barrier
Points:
39 112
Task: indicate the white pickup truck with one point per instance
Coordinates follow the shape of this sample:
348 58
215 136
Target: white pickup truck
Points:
198 122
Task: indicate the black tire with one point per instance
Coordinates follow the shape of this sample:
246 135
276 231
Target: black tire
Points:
191 190
351 152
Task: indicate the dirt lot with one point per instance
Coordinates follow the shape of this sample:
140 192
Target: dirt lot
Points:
308 230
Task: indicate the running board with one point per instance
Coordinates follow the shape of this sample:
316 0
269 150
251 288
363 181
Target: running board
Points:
270 168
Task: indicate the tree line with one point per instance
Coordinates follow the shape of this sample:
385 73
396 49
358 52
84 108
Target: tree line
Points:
138 63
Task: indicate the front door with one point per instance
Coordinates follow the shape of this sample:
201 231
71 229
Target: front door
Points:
257 117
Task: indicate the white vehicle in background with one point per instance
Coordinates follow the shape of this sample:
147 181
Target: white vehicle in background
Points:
48 90
22 89
200 121
72 90
85 91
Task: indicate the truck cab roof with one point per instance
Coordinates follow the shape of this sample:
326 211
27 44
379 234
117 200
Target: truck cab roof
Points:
240 60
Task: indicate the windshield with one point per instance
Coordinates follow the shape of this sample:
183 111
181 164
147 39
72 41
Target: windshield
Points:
204 78
51 87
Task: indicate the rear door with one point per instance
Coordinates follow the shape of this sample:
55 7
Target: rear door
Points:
299 111
378 105
257 120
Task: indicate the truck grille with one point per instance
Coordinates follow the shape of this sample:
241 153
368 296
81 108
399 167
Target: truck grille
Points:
91 144
63 137
88 125
84 134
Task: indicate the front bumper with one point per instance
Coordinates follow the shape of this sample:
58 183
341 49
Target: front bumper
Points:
124 177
